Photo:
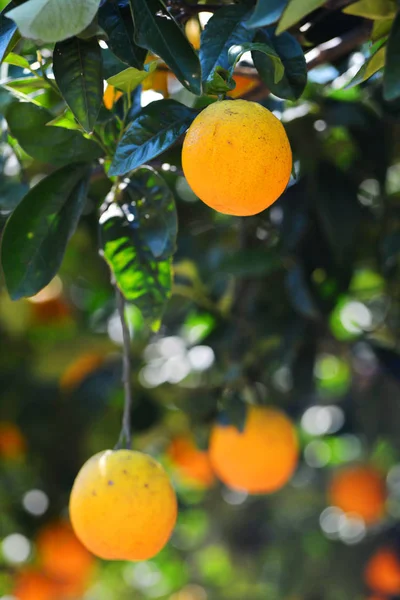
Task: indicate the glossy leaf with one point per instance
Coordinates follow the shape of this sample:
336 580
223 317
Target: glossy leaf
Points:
131 232
157 31
155 129
294 78
372 9
9 34
17 61
38 231
53 145
78 73
53 20
236 52
116 20
225 29
219 82
266 12
381 29
371 66
295 11
391 78
130 78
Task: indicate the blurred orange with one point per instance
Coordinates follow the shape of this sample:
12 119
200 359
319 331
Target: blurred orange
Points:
31 584
244 84
382 572
51 311
63 557
193 464
77 371
360 490
12 442
111 96
193 32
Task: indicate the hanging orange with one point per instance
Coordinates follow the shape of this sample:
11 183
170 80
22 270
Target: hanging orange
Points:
193 464
382 573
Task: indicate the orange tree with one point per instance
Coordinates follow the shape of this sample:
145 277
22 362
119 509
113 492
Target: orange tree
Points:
287 111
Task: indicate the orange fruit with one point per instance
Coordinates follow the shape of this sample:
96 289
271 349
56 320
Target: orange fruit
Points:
123 506
12 442
262 458
78 370
193 32
62 555
193 464
51 311
382 572
236 157
360 490
244 84
31 584
111 96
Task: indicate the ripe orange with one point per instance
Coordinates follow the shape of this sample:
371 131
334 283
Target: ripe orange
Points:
382 572
51 311
193 32
360 490
12 442
123 506
78 370
259 460
111 96
31 584
236 157
194 464
244 84
62 555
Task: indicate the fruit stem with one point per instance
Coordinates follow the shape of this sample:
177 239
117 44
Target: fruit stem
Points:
125 438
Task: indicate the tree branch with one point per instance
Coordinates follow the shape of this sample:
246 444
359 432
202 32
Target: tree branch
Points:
125 438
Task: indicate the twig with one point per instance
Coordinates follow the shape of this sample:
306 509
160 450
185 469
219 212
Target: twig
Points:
126 432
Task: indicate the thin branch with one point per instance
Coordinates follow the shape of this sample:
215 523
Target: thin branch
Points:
125 438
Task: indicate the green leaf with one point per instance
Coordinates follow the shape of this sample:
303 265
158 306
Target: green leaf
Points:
65 120
53 20
37 233
372 9
391 77
251 263
235 52
265 13
294 78
371 66
155 129
381 29
131 232
130 78
9 34
295 11
116 20
226 28
219 82
158 31
53 145
77 69
17 61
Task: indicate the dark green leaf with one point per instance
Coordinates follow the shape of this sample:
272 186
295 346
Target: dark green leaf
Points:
251 263
54 145
266 12
272 57
111 64
295 11
9 34
391 78
299 293
294 79
130 235
116 20
157 31
234 410
225 29
78 72
38 231
155 129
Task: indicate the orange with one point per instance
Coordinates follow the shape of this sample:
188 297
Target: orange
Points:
111 96
31 584
123 506
382 572
360 490
51 311
236 157
12 442
194 464
62 555
77 371
262 458
193 32
244 85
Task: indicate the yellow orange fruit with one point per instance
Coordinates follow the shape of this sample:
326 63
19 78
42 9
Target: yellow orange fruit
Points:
123 506
193 32
78 370
62 555
382 572
111 96
262 458
236 157
12 442
360 490
244 85
193 464
31 584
